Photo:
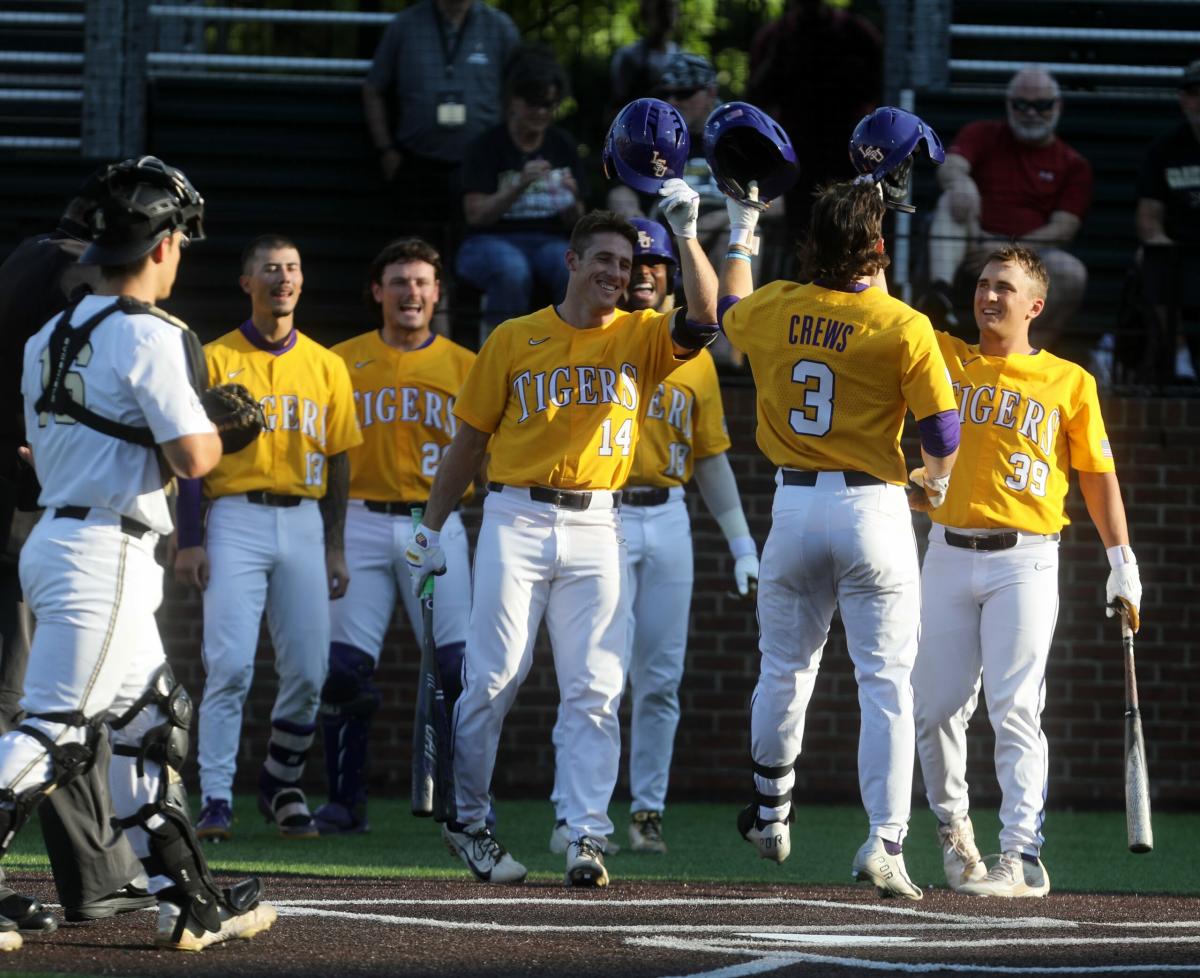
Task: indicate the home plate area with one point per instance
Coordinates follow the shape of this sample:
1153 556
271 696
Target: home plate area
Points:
462 929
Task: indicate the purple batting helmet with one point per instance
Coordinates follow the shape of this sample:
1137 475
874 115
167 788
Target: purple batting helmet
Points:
647 144
743 145
653 242
882 147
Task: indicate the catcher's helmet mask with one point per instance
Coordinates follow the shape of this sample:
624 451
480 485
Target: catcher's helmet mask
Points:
882 147
654 245
139 202
646 145
744 145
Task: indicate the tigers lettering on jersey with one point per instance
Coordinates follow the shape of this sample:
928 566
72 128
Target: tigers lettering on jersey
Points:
308 402
836 373
1027 420
564 405
405 402
684 421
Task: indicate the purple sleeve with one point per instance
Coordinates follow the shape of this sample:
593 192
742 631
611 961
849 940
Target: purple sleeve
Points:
724 304
939 433
187 514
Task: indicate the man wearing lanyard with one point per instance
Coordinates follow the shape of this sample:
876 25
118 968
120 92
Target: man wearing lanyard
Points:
440 64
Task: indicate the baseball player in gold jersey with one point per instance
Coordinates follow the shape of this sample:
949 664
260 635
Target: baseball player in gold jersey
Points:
683 434
405 380
560 395
990 579
274 538
838 363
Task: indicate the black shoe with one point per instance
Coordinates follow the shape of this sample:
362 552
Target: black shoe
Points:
128 898
28 914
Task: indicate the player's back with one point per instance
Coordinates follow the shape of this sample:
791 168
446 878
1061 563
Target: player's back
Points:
836 372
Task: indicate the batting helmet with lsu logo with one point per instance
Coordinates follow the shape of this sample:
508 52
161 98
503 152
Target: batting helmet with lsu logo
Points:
646 145
138 203
654 244
744 145
882 147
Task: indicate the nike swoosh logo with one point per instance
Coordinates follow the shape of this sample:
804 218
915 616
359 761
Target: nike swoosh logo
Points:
234 373
965 362
359 364
538 342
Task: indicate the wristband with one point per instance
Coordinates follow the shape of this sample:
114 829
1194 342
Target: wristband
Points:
742 547
1120 555
737 256
744 238
426 538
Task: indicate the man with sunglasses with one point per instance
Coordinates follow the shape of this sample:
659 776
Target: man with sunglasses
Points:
1012 180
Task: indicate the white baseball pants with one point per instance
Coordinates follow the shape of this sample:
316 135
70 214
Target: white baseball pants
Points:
988 616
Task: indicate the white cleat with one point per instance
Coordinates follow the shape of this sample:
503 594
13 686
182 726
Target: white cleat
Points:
585 863
233 926
1012 876
773 840
645 833
485 857
874 864
960 855
560 838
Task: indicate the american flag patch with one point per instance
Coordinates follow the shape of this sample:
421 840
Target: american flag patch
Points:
1105 448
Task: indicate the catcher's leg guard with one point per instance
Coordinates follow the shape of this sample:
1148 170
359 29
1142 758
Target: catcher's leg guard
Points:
348 702
174 850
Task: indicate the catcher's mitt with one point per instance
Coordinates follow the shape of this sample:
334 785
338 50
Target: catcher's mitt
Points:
237 415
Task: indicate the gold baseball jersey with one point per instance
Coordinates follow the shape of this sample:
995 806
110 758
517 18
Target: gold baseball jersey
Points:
685 420
835 372
405 402
1027 420
564 405
308 402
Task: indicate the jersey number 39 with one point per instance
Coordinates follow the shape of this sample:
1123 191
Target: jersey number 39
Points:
816 417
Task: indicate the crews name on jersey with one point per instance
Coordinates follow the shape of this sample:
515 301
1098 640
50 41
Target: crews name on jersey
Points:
677 414
981 405
579 384
831 334
409 405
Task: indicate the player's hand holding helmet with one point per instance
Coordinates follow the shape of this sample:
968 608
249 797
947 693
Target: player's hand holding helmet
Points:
681 207
882 147
1123 591
647 144
744 146
743 219
424 556
933 490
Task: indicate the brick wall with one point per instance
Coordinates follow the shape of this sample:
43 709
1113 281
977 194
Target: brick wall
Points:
1158 450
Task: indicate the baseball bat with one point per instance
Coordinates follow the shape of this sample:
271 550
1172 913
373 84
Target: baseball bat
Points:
424 740
1137 781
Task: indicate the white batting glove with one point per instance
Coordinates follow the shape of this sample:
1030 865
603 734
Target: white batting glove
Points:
1124 588
680 206
745 574
743 219
935 489
424 556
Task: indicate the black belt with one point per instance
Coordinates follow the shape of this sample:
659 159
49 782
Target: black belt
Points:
392 509
805 477
649 496
993 541
130 526
562 498
273 498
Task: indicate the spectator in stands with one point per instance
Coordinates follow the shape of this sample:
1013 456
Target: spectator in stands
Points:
1168 217
816 70
440 64
521 194
635 68
1012 180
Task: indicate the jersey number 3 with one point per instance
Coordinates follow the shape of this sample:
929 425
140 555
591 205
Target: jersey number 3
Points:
816 417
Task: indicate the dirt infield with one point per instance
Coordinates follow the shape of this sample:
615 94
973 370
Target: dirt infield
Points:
461 929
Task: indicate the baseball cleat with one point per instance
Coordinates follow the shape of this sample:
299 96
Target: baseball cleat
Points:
127 899
216 821
560 837
645 833
874 864
960 855
485 857
233 926
334 818
28 914
287 810
1013 876
773 840
585 863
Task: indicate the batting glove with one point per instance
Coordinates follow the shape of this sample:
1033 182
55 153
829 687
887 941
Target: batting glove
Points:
424 557
935 489
680 206
1123 592
743 219
745 573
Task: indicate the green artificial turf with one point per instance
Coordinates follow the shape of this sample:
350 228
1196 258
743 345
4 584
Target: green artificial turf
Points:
1084 852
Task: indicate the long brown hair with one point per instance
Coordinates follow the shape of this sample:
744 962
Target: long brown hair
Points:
845 227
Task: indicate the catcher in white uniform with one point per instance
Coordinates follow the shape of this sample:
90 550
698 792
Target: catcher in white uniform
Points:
684 434
990 580
111 403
